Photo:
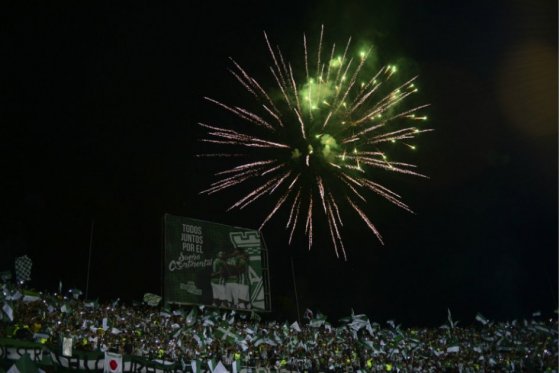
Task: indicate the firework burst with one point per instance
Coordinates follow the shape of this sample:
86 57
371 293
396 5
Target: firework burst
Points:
311 143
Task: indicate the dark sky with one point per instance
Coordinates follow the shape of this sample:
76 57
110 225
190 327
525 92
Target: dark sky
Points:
98 113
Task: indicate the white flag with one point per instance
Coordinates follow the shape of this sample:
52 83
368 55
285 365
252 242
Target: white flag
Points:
220 368
453 349
295 326
67 347
115 331
481 319
113 362
14 296
8 310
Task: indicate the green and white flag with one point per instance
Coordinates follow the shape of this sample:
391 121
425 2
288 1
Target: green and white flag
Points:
24 365
208 322
452 323
358 323
236 366
30 296
243 344
255 316
195 365
178 330
295 326
226 335
481 319
191 317
152 299
369 328
199 338
367 344
211 364
93 304
267 341
319 320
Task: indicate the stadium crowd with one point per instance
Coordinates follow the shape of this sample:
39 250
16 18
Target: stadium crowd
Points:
202 334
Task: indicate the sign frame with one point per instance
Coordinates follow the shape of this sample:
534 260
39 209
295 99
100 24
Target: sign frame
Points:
214 265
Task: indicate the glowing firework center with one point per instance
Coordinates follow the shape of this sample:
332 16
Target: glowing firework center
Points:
323 146
314 96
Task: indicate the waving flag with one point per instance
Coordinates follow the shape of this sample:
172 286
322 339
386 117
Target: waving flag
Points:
151 299
113 362
227 335
8 311
191 317
319 320
220 368
23 266
195 365
295 326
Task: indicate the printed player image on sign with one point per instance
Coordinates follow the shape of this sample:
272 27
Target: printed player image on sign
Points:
214 264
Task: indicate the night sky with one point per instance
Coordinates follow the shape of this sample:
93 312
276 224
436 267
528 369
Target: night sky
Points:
98 122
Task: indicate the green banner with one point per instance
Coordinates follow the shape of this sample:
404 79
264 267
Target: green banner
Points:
213 264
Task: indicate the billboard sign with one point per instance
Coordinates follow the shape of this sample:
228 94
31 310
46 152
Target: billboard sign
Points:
213 264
